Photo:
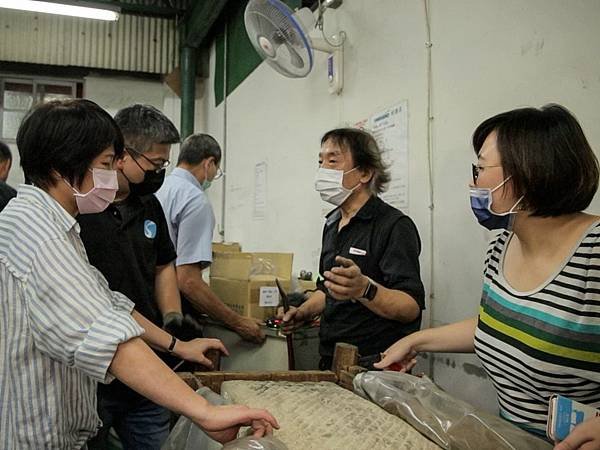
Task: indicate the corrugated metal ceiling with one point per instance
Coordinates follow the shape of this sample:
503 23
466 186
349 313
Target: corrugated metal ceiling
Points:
135 43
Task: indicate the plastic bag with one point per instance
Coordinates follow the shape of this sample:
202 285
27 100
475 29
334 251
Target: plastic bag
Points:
449 422
187 436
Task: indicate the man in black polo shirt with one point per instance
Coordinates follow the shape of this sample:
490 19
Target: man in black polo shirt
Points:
129 243
372 293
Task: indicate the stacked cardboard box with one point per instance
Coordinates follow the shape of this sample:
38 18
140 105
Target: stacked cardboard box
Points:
226 247
238 279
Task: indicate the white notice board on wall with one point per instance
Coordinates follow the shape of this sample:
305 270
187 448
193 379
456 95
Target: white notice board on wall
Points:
390 129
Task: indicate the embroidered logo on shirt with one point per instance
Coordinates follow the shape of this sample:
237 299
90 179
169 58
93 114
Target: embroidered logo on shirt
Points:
149 229
357 251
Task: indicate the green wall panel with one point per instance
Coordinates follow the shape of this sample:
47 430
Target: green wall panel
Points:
241 59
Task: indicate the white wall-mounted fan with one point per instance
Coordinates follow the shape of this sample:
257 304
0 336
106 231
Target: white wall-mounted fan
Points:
281 37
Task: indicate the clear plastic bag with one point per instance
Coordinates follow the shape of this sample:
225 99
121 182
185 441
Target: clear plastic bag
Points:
187 436
449 422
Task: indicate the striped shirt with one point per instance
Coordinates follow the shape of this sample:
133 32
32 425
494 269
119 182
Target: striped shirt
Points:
59 327
545 341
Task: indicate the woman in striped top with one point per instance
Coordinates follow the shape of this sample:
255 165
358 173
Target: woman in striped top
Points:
62 330
538 329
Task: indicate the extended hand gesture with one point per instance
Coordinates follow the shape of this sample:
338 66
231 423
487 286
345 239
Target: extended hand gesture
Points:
400 355
346 281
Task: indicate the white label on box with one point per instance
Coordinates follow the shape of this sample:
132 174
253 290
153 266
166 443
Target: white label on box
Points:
269 296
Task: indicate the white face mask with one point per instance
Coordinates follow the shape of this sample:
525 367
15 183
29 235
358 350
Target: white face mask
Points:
328 183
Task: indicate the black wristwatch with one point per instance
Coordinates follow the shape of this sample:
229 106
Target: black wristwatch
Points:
370 291
171 348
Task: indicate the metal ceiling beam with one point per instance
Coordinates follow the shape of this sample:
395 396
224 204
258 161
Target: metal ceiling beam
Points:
200 20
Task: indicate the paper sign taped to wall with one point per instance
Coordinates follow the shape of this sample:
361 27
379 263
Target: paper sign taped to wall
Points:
269 296
260 191
389 127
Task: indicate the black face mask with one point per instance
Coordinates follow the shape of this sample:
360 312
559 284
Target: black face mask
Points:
150 184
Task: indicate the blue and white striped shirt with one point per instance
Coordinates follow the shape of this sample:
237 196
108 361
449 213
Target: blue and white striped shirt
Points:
60 326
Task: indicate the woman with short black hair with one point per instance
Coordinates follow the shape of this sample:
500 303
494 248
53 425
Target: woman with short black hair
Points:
537 333
547 157
62 329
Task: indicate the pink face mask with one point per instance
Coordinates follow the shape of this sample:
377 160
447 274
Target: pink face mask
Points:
101 195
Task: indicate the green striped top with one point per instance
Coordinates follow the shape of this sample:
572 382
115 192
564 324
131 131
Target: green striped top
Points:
545 341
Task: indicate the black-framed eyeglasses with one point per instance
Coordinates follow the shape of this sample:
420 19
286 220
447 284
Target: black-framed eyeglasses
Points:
157 167
476 169
219 174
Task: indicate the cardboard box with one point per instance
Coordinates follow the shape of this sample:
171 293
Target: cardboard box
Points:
245 266
243 296
226 247
237 277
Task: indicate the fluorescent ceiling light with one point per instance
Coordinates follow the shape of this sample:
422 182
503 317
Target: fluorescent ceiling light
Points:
61 9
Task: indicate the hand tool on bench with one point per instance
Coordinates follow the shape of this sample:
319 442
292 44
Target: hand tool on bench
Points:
289 338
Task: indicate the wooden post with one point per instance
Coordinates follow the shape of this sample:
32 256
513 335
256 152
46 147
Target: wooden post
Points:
344 356
215 357
190 379
213 380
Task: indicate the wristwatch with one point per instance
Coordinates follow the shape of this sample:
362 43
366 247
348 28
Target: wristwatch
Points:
171 348
370 291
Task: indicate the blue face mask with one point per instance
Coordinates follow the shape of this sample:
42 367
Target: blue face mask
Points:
481 204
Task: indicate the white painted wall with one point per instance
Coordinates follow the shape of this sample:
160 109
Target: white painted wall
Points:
488 56
114 93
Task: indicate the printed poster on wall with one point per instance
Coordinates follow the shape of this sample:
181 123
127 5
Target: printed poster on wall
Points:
260 191
390 129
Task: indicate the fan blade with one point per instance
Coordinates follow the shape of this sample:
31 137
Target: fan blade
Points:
271 25
296 59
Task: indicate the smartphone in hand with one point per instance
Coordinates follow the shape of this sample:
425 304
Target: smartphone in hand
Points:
565 414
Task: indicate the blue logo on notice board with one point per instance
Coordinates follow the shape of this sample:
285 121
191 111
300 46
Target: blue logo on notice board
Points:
149 229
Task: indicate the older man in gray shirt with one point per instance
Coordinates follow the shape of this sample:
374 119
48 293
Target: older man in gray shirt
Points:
191 222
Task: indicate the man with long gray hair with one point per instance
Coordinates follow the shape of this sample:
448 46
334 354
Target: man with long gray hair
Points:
191 223
372 290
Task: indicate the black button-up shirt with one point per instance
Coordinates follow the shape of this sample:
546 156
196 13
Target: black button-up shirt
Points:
6 193
385 244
